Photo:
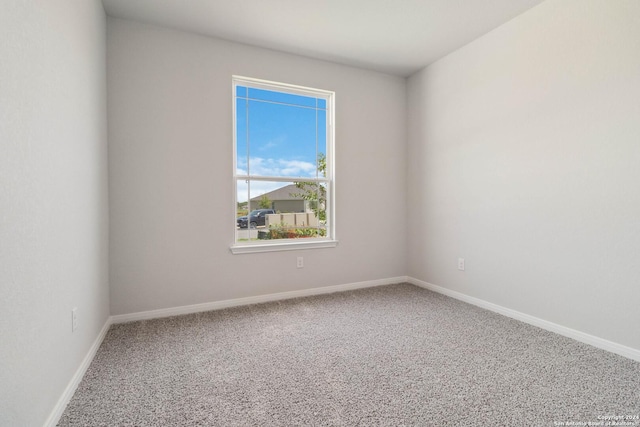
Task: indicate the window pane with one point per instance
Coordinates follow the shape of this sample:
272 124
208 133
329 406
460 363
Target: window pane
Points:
322 143
282 140
322 103
320 207
241 91
280 210
285 98
241 137
242 191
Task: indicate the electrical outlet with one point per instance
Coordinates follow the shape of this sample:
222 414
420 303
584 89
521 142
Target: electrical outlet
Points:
300 262
74 319
461 264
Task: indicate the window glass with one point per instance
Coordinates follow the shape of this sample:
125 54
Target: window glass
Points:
283 174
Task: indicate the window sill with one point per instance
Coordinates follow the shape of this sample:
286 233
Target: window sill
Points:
282 246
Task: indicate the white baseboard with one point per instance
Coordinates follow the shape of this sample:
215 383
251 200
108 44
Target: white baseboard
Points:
217 305
610 346
62 403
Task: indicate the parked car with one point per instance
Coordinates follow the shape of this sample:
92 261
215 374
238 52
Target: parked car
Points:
256 218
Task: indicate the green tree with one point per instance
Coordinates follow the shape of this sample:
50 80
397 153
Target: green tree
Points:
313 192
265 202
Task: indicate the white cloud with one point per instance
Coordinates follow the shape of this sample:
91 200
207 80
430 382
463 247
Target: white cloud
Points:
272 143
298 168
277 167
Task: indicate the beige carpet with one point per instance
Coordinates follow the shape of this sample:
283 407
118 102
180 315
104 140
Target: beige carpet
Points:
393 355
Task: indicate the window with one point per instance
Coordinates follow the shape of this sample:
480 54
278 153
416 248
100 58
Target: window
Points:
283 166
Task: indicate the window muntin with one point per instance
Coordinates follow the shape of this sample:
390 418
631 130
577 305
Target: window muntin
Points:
283 152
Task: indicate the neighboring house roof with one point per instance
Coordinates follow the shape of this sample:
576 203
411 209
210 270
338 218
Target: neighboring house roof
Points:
283 193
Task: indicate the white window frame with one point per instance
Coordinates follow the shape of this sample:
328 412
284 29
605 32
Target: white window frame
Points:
328 241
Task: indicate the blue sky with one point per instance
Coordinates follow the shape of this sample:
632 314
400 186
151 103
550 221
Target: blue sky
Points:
286 134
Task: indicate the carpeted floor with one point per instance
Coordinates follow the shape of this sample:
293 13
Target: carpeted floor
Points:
392 355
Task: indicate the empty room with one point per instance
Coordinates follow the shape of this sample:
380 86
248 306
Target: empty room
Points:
340 213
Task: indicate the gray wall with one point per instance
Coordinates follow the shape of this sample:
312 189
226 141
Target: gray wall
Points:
53 199
170 164
524 154
284 206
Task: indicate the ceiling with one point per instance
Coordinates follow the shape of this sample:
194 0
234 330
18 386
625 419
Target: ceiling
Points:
392 36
